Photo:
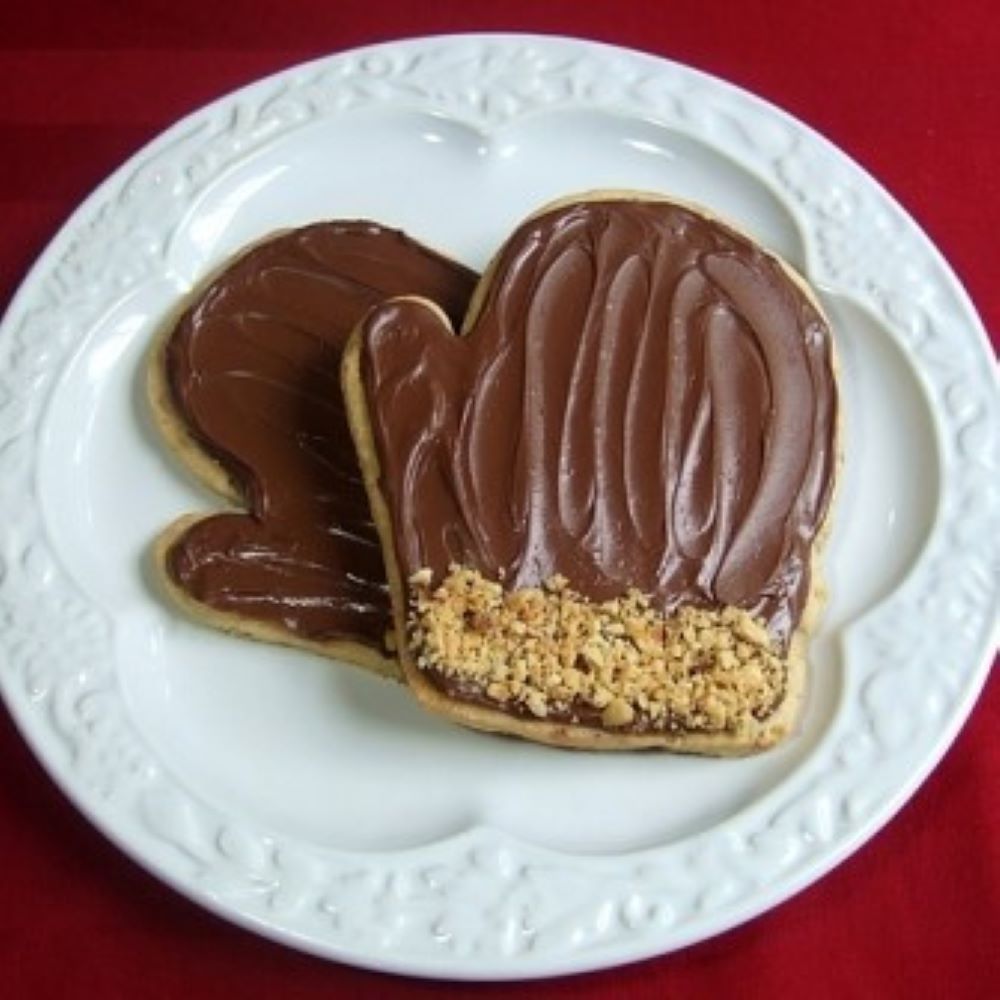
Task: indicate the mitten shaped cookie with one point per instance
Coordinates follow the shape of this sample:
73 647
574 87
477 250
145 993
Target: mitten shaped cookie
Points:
245 388
601 505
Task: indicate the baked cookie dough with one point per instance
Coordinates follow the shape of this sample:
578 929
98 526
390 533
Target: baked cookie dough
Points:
245 389
602 505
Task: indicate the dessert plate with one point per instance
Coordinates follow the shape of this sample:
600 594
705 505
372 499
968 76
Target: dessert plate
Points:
319 806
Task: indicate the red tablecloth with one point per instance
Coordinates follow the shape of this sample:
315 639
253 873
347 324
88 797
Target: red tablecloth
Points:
912 91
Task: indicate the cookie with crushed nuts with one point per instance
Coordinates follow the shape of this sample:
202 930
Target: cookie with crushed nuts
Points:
601 506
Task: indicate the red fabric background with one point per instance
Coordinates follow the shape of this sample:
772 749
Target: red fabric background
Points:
911 90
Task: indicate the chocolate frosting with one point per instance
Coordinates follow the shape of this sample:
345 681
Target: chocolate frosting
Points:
253 370
644 399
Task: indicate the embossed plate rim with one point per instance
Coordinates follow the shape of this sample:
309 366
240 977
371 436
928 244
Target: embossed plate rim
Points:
483 905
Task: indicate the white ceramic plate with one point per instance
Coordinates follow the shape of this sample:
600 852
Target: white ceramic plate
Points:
319 806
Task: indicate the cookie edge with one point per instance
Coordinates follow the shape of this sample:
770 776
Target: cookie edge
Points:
355 654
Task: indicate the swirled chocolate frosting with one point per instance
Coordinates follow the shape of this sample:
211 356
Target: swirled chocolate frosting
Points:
253 370
644 399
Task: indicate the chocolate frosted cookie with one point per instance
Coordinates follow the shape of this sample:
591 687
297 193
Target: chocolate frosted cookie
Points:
601 505
245 388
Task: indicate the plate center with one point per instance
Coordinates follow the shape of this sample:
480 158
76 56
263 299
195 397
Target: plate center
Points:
316 750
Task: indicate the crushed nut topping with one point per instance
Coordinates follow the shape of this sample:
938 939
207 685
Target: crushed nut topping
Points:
549 652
